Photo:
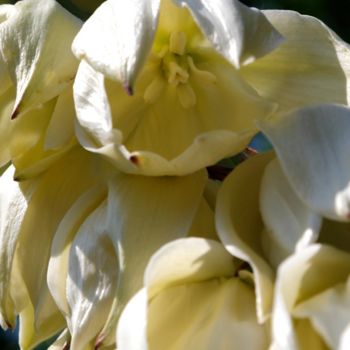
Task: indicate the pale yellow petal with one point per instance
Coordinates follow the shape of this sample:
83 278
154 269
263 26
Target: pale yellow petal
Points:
187 260
59 256
144 214
239 225
311 66
14 198
35 44
318 138
92 279
290 224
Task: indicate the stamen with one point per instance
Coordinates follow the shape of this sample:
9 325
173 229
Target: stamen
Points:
177 74
186 95
177 42
203 75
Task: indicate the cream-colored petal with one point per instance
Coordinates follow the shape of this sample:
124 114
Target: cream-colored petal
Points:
14 199
62 341
311 145
92 107
302 276
144 214
239 225
60 130
311 66
290 224
27 142
56 191
203 224
322 308
241 34
132 329
59 257
203 143
187 260
35 44
31 336
92 279
212 314
7 97
117 38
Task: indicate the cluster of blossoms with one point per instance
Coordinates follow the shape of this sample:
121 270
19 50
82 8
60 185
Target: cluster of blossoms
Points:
112 234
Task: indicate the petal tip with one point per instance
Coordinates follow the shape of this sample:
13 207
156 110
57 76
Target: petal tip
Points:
129 89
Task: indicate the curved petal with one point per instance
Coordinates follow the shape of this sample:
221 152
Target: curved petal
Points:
321 309
35 44
290 224
318 138
126 129
135 337
240 229
59 257
60 130
310 67
187 260
144 214
14 198
302 276
203 224
92 279
241 34
206 307
117 38
226 305
56 191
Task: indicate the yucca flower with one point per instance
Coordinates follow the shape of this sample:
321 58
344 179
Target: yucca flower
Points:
193 298
194 69
179 60
312 300
296 195
37 70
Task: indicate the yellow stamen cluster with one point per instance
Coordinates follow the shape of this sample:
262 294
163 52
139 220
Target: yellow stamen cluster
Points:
176 68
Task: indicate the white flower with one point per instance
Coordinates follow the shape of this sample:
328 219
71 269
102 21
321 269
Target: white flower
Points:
190 106
192 299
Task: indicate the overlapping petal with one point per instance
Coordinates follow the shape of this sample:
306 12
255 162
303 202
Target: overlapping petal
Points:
241 34
206 305
319 274
185 88
311 66
240 226
289 223
312 145
14 201
117 38
35 46
145 213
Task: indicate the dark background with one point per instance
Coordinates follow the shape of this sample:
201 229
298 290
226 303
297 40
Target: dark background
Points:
334 13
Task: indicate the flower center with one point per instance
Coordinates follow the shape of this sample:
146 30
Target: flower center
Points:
176 68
